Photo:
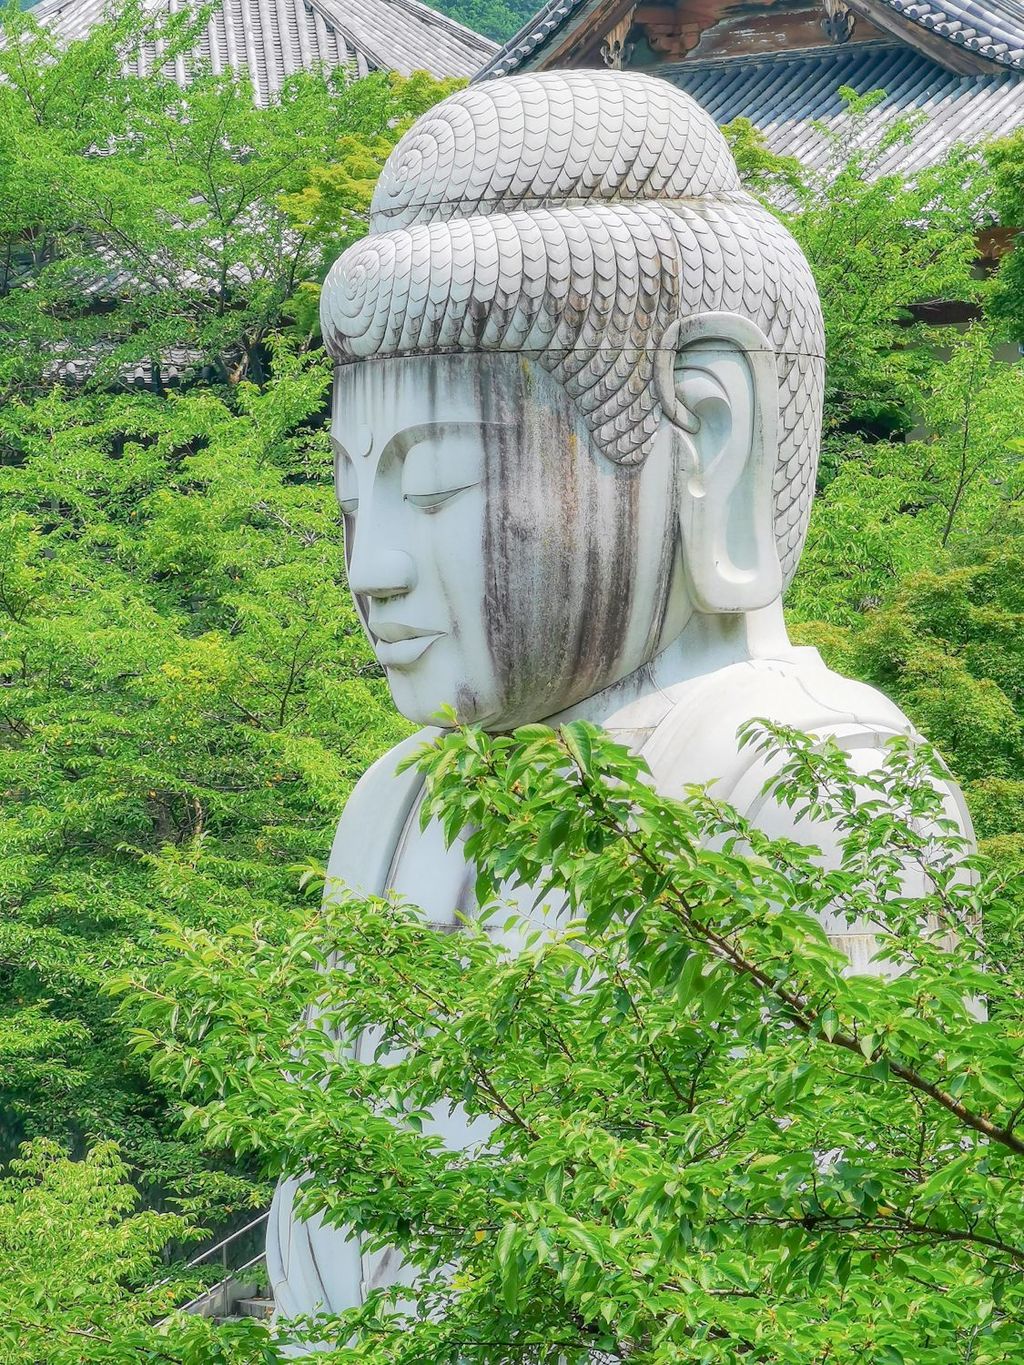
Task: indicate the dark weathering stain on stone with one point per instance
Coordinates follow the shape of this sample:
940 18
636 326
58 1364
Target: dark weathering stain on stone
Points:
559 545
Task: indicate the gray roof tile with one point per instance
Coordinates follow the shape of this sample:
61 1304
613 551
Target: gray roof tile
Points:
787 96
270 39
523 44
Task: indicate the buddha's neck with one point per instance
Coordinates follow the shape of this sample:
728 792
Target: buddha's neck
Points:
707 644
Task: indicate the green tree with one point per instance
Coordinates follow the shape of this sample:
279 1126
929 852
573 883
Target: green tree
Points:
186 695
143 223
899 507
1007 161
879 244
946 643
497 19
187 699
83 1274
708 1141
76 1256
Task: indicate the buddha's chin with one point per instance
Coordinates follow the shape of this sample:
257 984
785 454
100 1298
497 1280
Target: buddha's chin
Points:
472 703
427 700
429 689
483 707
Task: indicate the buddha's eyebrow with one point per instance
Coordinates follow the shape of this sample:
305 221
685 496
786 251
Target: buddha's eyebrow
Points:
403 441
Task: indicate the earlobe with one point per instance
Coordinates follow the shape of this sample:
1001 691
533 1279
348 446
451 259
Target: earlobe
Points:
717 381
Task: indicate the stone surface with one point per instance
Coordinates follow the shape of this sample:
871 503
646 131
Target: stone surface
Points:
576 417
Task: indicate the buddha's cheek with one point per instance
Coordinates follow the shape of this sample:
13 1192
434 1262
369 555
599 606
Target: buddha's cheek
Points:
458 669
577 556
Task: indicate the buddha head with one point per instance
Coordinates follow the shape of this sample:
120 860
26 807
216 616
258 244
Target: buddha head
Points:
577 394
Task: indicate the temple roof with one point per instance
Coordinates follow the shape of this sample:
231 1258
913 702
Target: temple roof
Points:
268 40
980 32
993 30
549 20
786 96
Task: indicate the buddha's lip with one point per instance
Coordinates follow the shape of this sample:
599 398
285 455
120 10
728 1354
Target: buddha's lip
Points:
399 646
390 632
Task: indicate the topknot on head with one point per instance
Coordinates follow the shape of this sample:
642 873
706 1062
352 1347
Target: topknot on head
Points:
549 138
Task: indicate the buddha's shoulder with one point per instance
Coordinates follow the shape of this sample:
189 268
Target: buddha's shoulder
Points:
797 688
696 738
375 817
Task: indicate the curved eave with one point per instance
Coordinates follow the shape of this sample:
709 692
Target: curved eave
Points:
523 48
964 35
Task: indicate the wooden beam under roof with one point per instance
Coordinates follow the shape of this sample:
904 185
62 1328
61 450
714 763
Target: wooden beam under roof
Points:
965 36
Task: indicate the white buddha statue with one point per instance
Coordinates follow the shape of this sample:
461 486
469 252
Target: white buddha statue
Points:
576 418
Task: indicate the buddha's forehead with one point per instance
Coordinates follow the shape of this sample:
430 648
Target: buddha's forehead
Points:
376 400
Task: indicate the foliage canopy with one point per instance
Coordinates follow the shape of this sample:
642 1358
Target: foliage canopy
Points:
702 1139
186 694
186 698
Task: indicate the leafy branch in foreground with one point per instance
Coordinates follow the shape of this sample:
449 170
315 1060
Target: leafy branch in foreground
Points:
696 1136
77 1257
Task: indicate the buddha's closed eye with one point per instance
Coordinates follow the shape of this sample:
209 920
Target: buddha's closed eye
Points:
430 464
345 485
432 502
440 463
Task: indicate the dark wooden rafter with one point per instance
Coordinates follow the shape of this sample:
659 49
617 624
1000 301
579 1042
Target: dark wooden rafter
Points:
704 28
581 46
966 37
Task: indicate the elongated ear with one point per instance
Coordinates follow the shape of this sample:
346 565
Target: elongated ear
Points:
718 385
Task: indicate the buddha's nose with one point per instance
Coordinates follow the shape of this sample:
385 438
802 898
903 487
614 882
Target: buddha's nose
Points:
381 573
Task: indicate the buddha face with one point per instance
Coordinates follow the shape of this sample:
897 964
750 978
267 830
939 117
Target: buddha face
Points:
500 564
